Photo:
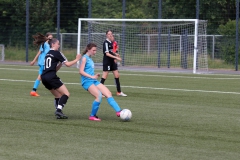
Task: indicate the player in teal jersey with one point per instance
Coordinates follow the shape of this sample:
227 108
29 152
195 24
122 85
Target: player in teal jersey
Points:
42 41
92 85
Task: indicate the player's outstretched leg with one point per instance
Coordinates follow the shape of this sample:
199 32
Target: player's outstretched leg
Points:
95 107
114 105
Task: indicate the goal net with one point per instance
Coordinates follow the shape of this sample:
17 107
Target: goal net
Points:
161 43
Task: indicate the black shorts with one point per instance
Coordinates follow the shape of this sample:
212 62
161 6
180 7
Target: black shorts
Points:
110 67
51 82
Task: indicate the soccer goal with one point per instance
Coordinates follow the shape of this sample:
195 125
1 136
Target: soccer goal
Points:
2 52
161 43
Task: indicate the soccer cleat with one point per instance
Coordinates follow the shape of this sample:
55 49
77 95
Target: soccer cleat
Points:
35 94
118 113
94 118
60 115
121 94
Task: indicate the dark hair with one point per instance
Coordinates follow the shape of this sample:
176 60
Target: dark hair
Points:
108 31
51 41
89 46
39 39
48 34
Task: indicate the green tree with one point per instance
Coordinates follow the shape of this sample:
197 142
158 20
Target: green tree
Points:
13 19
5 18
70 12
106 8
42 18
134 9
42 14
217 12
229 41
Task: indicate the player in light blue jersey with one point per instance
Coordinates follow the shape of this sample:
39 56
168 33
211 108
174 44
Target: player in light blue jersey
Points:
42 41
92 85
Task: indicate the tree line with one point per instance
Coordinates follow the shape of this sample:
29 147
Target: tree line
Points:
43 14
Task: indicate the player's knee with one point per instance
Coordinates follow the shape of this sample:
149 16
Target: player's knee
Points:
109 94
67 94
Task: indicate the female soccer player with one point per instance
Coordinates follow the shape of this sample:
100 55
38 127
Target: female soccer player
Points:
92 85
53 62
109 63
42 41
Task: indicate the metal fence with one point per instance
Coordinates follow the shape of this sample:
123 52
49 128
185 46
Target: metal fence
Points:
61 17
69 41
2 49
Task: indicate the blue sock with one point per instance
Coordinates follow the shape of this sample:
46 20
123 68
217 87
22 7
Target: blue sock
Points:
95 107
36 84
113 104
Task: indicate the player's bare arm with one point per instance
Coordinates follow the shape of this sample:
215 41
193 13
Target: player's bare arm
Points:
78 57
35 58
112 56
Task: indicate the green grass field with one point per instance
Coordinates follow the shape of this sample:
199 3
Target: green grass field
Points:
175 117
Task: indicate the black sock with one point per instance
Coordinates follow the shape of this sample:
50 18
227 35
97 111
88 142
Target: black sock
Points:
102 80
34 89
63 100
56 100
59 110
118 84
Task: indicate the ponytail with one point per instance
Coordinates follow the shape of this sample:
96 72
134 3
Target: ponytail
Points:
85 51
39 39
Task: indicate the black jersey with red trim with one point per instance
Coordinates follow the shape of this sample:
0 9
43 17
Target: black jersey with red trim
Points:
52 59
107 47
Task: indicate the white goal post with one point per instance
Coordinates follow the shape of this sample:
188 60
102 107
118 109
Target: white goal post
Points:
162 43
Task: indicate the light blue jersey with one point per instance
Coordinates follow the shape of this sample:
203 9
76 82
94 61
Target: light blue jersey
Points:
89 69
44 50
88 82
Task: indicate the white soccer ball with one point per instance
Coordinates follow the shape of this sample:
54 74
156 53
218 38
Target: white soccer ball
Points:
126 114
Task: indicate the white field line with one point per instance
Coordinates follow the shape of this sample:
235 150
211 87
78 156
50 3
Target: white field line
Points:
138 87
144 75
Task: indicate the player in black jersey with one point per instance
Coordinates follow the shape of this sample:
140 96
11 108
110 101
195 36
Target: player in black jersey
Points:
109 63
53 62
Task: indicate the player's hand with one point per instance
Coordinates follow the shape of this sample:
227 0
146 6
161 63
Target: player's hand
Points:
32 63
118 58
78 56
96 76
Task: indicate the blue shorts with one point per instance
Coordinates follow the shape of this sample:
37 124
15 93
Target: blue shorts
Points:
41 67
87 84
